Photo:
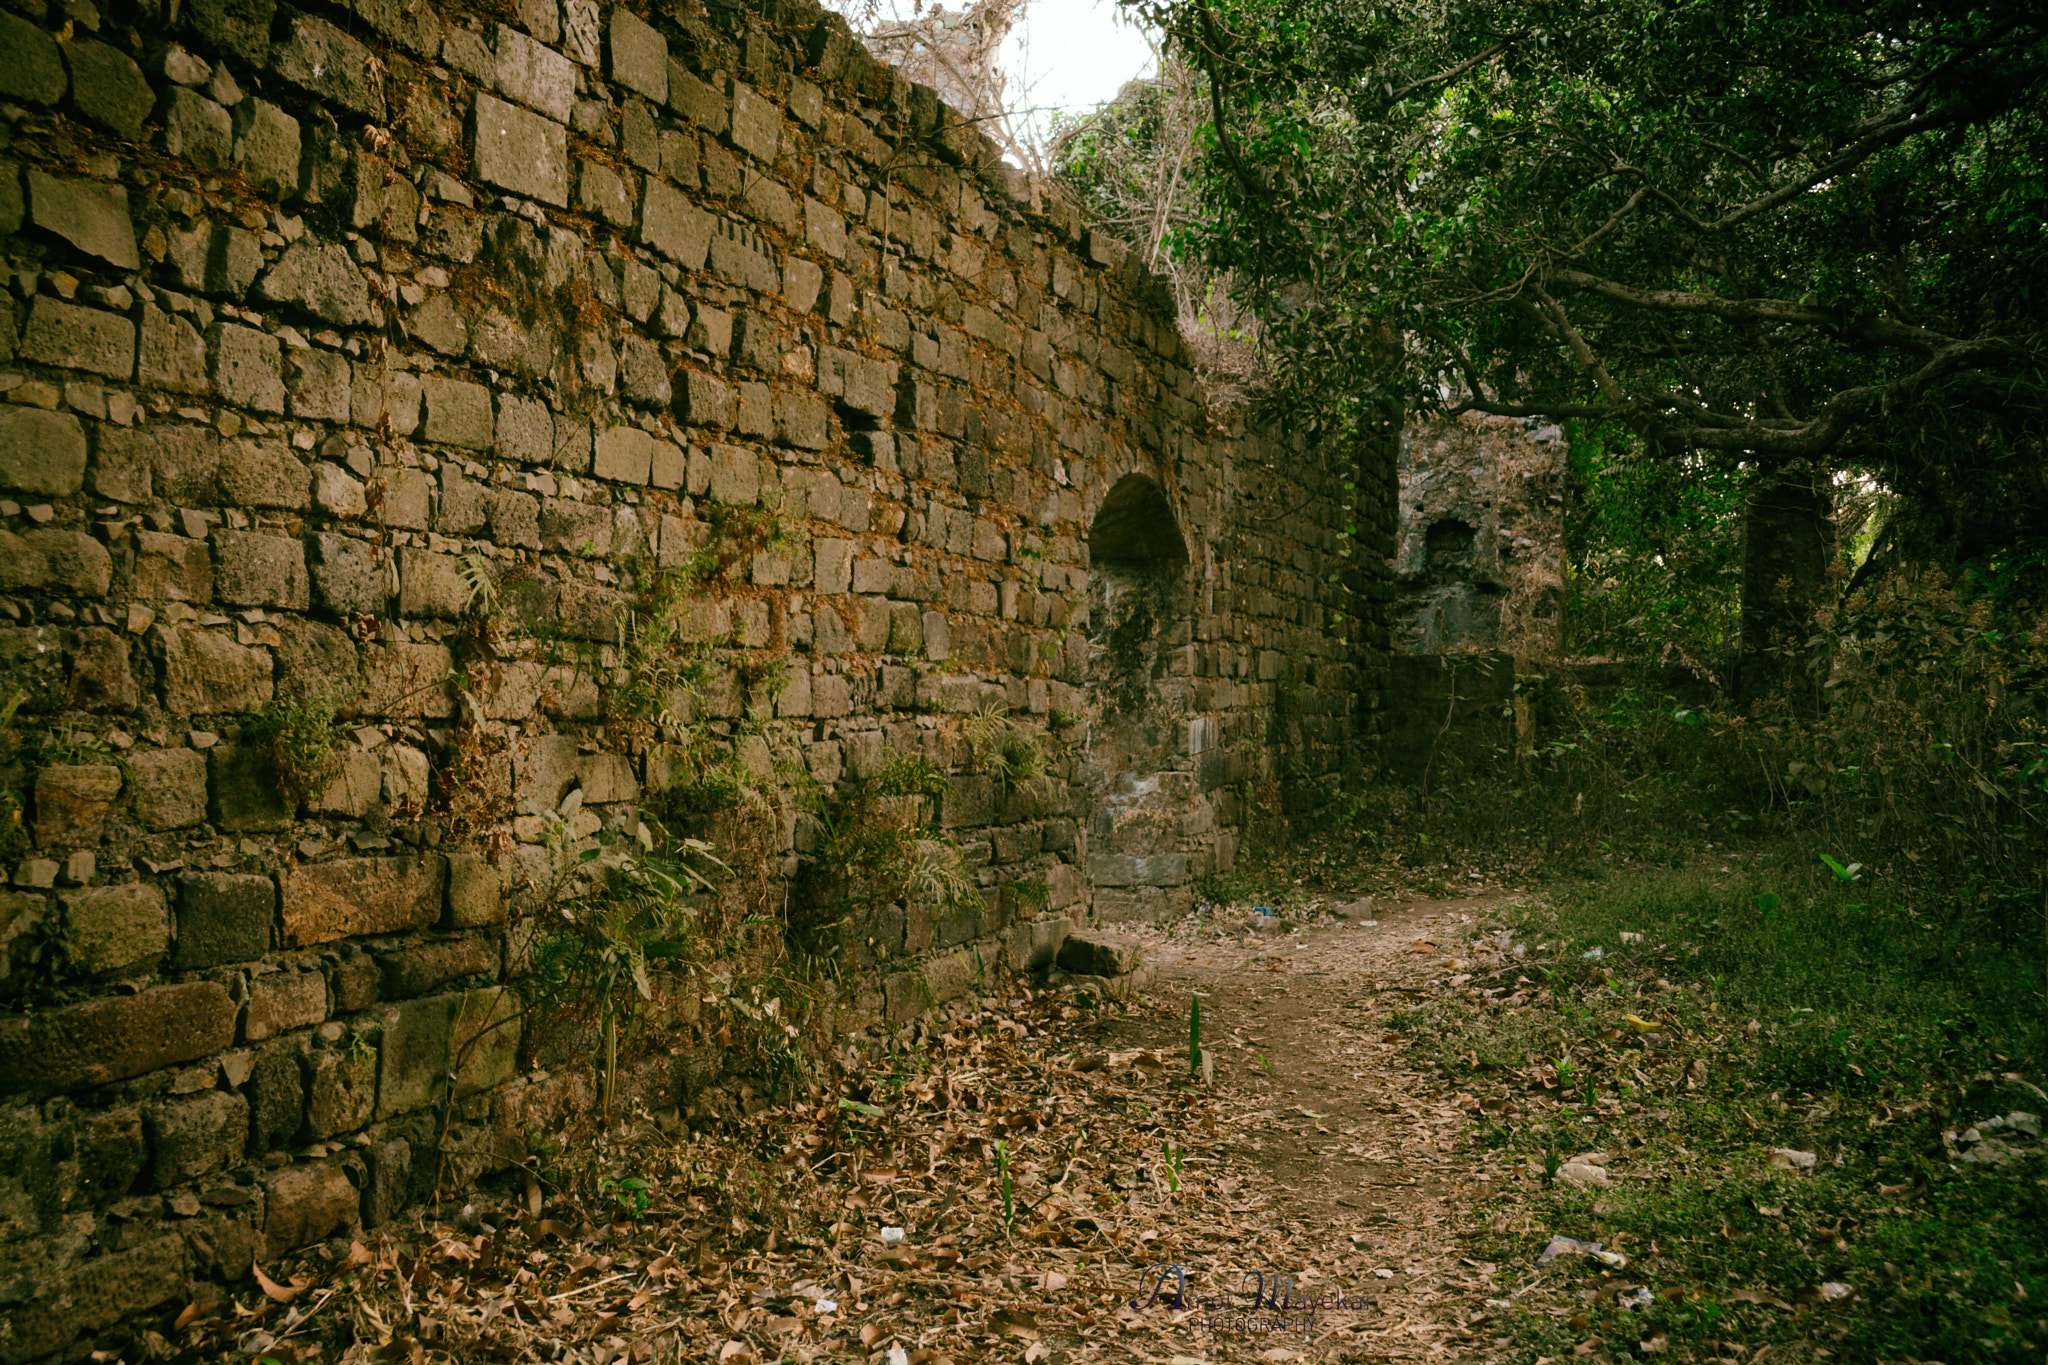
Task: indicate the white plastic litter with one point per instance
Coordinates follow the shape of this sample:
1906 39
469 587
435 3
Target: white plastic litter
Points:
892 1237
1572 1246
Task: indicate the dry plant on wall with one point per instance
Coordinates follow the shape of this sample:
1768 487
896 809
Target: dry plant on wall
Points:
1131 165
957 52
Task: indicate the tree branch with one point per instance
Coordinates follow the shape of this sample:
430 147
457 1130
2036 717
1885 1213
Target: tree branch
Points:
1881 330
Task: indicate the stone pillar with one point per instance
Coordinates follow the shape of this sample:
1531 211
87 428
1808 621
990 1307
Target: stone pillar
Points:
1788 538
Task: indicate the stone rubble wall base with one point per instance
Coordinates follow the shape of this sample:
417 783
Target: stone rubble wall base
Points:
388 357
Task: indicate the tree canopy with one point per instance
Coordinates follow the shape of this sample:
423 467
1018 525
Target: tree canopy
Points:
1779 229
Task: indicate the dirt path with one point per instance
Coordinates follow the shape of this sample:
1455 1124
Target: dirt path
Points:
991 1190
1354 1151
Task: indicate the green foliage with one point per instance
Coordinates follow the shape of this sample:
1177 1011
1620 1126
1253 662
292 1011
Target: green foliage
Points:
629 1195
592 952
1015 758
661 664
297 735
1655 551
1857 1029
881 843
1789 231
1003 1175
13 833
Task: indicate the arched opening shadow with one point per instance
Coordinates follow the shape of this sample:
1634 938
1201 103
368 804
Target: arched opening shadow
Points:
1141 693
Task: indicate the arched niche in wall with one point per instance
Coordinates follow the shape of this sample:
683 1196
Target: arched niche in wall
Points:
1141 696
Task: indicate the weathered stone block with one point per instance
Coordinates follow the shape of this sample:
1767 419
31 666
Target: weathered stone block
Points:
706 401
22 567
430 584
108 87
381 397
267 145
474 1034
354 788
439 324
457 413
331 64
263 473
72 800
321 278
171 353
167 790
138 464
1125 869
416 28
101 677
95 1294
427 966
536 76
196 130
342 1094
315 659
277 1096
462 504
476 891
72 561
305 1204
281 1001
624 455
1099 952
121 470
223 1246
348 577
252 569
802 420
208 674
248 367
117 928
674 226
578 528
90 214
245 791
212 258
735 475
643 372
639 55
407 680
238 28
756 122
117 1037
77 338
602 190
195 1135
328 901
521 152
320 385
42 452
696 101
525 430
113 1151
30 66
223 917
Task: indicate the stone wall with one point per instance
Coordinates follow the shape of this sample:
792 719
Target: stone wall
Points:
1481 562
492 378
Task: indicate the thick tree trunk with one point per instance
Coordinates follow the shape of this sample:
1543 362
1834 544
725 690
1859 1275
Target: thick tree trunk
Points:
1787 542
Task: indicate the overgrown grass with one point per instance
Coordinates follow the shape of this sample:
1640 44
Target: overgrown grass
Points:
1766 1008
